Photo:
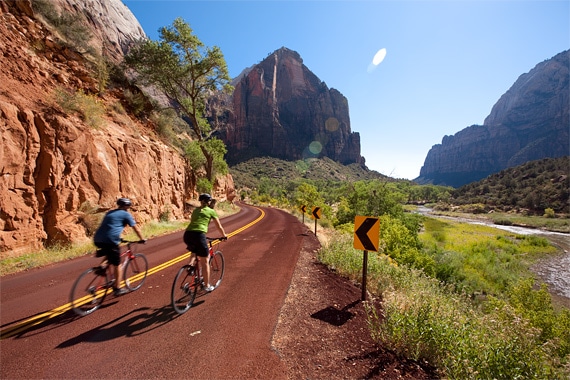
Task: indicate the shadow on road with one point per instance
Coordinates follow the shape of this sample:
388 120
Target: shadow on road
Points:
137 322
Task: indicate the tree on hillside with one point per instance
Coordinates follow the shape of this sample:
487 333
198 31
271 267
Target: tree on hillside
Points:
187 73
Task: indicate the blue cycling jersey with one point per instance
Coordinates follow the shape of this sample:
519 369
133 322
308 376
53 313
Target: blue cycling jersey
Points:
112 226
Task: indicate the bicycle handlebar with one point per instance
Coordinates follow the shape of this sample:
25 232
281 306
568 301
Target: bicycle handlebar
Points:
134 241
216 238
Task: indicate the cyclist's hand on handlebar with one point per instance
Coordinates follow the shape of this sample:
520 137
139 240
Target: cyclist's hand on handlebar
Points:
142 241
224 238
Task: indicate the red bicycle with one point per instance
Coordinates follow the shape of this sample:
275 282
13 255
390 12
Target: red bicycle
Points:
189 279
91 287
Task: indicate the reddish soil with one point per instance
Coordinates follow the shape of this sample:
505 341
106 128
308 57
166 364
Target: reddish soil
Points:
322 332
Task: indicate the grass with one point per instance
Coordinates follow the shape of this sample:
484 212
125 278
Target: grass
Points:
516 333
481 259
508 219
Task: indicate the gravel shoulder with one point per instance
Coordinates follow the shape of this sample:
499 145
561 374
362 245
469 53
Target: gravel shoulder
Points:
322 331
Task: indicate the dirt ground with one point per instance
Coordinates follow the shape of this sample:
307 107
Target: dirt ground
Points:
322 331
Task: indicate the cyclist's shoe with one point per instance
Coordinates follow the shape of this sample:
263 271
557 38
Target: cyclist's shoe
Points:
209 288
119 292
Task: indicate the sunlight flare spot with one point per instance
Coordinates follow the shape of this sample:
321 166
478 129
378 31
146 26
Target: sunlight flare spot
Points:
315 147
331 124
379 57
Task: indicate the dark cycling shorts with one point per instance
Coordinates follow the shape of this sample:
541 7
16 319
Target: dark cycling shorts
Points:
196 243
111 251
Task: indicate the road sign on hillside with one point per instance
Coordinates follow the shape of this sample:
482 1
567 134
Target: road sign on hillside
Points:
366 233
316 213
366 237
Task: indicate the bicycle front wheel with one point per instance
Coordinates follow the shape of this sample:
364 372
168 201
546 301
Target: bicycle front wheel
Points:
135 272
216 269
184 289
88 292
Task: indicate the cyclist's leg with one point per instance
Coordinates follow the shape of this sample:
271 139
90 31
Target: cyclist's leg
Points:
197 244
190 238
192 261
114 259
206 271
202 250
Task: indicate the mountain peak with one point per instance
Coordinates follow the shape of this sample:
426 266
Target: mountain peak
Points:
283 110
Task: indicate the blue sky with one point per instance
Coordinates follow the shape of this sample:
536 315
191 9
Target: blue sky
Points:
447 62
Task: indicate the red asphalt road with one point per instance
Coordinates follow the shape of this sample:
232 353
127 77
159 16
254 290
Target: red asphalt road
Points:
225 335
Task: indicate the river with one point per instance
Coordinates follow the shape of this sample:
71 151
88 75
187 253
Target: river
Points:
554 270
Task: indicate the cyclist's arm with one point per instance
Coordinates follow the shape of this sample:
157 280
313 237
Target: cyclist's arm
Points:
138 231
219 224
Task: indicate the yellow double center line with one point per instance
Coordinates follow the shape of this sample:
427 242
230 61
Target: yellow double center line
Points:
42 317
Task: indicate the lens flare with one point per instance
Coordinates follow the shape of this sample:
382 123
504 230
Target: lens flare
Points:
379 57
315 147
331 124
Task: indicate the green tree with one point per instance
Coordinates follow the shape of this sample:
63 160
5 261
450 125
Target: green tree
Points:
187 73
308 195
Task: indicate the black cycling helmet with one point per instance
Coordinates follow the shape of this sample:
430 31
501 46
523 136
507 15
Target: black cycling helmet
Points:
124 202
204 197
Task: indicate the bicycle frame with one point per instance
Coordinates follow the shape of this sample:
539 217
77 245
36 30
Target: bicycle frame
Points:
190 278
91 287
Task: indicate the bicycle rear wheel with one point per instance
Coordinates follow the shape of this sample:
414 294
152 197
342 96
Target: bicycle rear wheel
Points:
135 271
184 289
88 292
216 269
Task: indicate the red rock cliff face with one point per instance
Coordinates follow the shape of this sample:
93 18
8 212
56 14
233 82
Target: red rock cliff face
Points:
55 169
529 122
281 109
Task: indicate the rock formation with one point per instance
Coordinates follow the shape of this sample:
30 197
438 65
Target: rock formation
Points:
529 122
113 26
282 110
58 171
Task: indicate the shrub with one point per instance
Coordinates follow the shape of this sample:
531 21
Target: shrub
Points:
203 185
86 106
549 213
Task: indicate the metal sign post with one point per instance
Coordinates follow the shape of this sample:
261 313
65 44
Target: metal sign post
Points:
316 214
366 237
303 211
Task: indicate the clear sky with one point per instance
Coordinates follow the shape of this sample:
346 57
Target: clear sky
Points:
447 62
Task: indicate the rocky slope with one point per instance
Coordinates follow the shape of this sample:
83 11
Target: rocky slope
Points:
58 170
529 122
281 109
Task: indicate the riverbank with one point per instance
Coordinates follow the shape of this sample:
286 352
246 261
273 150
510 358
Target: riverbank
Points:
553 270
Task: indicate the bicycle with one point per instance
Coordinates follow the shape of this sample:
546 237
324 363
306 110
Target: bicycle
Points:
91 287
189 279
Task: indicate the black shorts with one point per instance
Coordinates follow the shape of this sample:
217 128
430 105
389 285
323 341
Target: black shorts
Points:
196 243
111 251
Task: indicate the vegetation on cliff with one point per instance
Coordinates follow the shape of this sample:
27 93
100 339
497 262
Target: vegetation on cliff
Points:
532 188
187 73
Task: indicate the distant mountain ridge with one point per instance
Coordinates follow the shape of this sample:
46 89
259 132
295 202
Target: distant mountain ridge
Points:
529 122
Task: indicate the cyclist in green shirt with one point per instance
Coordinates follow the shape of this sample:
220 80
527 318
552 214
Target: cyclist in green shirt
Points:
195 235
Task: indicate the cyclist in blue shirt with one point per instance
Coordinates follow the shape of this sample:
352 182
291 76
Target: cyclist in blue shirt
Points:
108 236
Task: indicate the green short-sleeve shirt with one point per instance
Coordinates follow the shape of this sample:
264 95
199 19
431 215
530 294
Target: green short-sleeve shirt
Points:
200 219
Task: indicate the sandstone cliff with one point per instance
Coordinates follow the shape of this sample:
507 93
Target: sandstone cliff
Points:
57 170
529 122
282 110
